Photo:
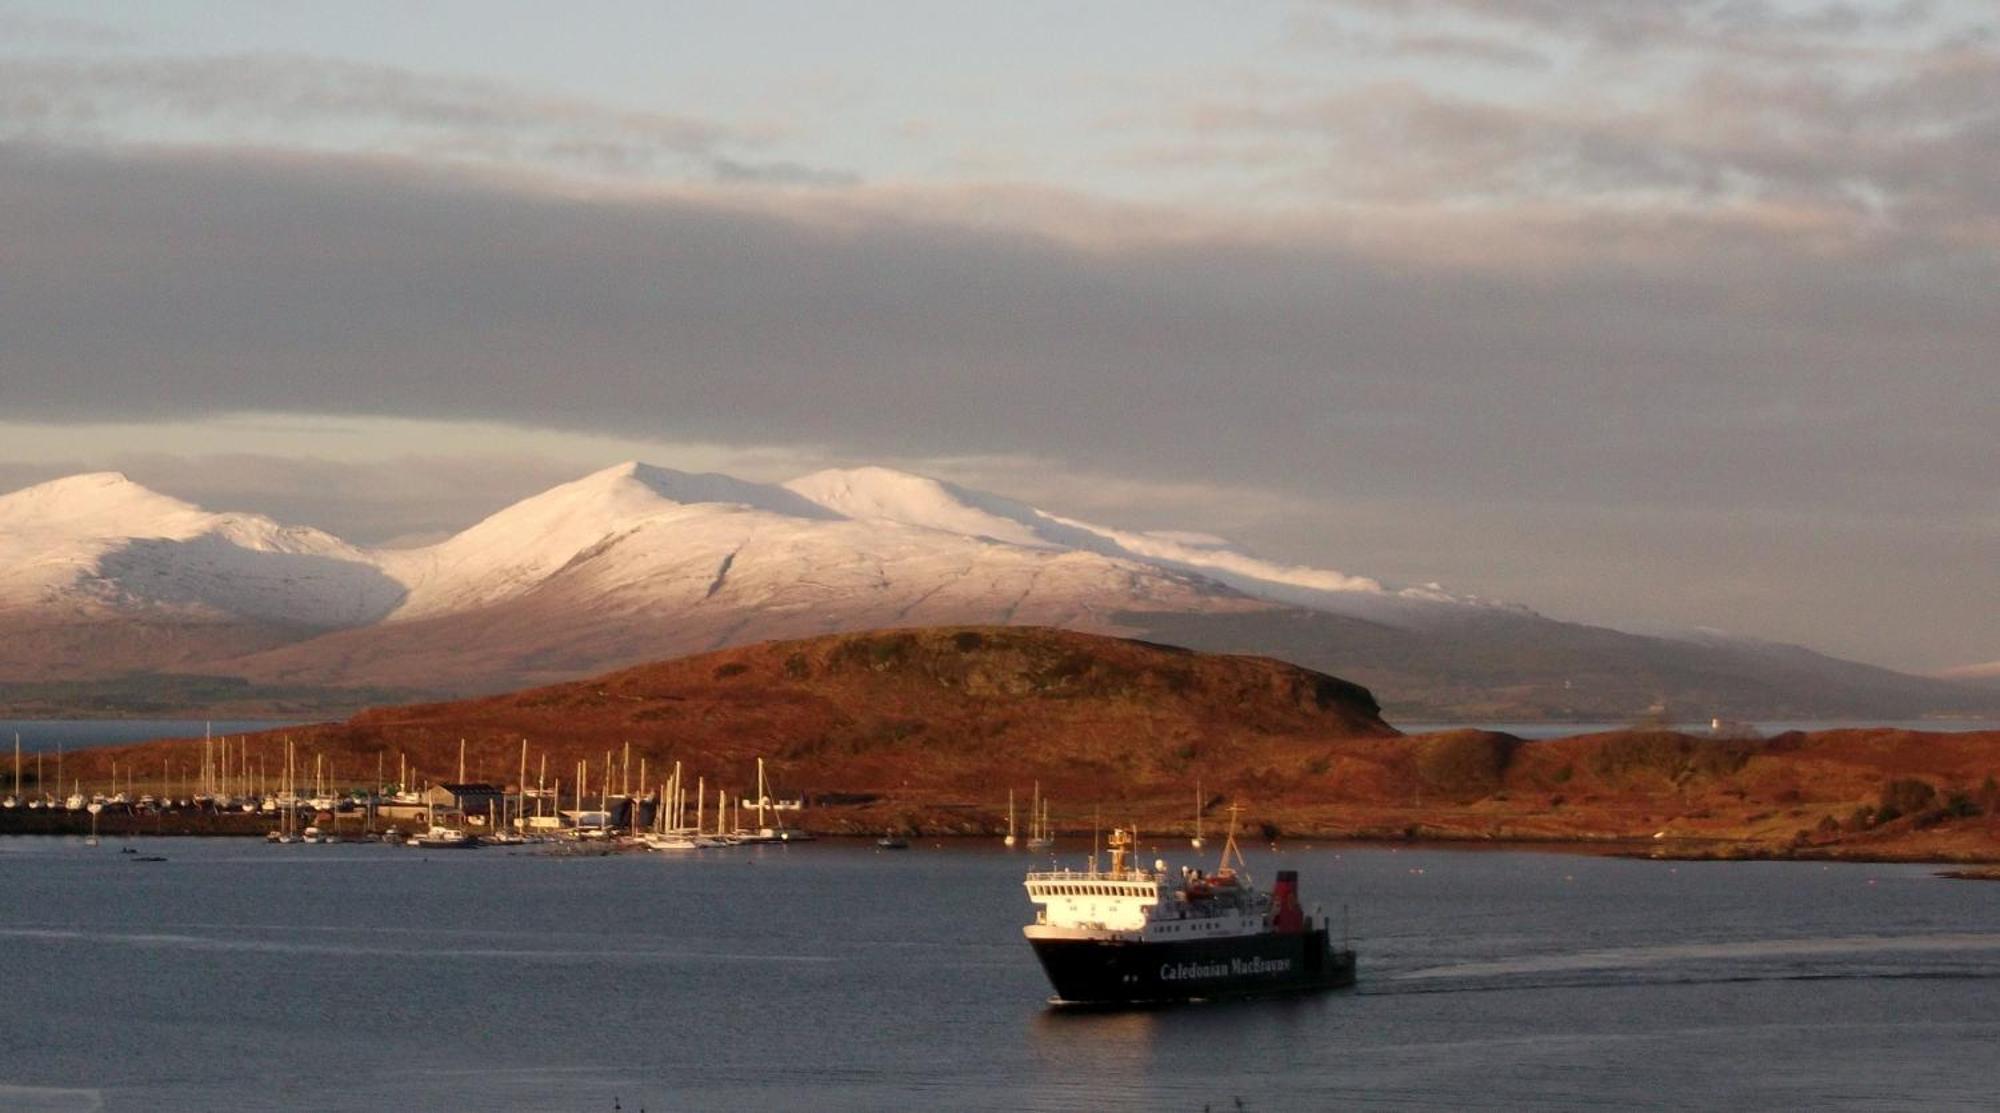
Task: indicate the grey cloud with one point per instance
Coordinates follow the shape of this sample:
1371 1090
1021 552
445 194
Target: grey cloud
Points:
1744 373
1753 27
17 28
1912 141
143 287
781 173
1476 48
53 96
1322 30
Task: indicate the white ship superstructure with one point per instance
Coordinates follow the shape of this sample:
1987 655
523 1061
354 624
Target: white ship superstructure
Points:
1143 905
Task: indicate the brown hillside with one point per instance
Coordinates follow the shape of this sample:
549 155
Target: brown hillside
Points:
938 724
927 717
1877 793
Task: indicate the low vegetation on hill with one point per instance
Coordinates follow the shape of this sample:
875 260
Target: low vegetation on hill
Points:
929 729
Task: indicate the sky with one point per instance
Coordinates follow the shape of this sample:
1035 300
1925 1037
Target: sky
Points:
1651 313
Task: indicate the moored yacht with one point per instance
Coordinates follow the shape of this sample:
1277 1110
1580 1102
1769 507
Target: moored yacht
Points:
444 838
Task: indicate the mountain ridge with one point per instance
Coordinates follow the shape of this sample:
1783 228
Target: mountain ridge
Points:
635 562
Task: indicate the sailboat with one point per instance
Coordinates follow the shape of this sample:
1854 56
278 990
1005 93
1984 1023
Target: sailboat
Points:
765 833
14 798
668 832
1039 835
1009 840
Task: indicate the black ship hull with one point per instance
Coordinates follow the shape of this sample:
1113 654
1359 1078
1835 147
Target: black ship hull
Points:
1112 972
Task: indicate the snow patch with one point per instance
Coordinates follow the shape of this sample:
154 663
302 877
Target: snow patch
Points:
101 541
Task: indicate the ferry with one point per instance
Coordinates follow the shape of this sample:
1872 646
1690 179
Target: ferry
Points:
1134 936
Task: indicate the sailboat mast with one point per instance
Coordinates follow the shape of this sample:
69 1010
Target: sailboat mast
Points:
1197 813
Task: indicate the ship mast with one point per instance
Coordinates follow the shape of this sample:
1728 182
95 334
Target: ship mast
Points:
1229 847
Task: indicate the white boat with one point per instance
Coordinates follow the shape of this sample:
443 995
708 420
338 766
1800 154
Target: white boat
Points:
1009 840
444 838
670 840
762 833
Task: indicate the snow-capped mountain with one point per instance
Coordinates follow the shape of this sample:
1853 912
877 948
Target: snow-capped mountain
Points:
100 545
643 537
637 562
885 495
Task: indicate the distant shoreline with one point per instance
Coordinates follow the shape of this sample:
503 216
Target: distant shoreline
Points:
44 824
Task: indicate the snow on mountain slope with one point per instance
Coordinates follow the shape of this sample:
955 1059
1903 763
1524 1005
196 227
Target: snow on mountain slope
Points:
651 537
888 495
619 574
521 546
100 544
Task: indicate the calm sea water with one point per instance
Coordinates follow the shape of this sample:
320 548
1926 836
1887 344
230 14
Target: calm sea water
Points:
837 977
79 734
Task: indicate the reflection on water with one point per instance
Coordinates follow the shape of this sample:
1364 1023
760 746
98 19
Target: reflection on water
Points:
830 977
